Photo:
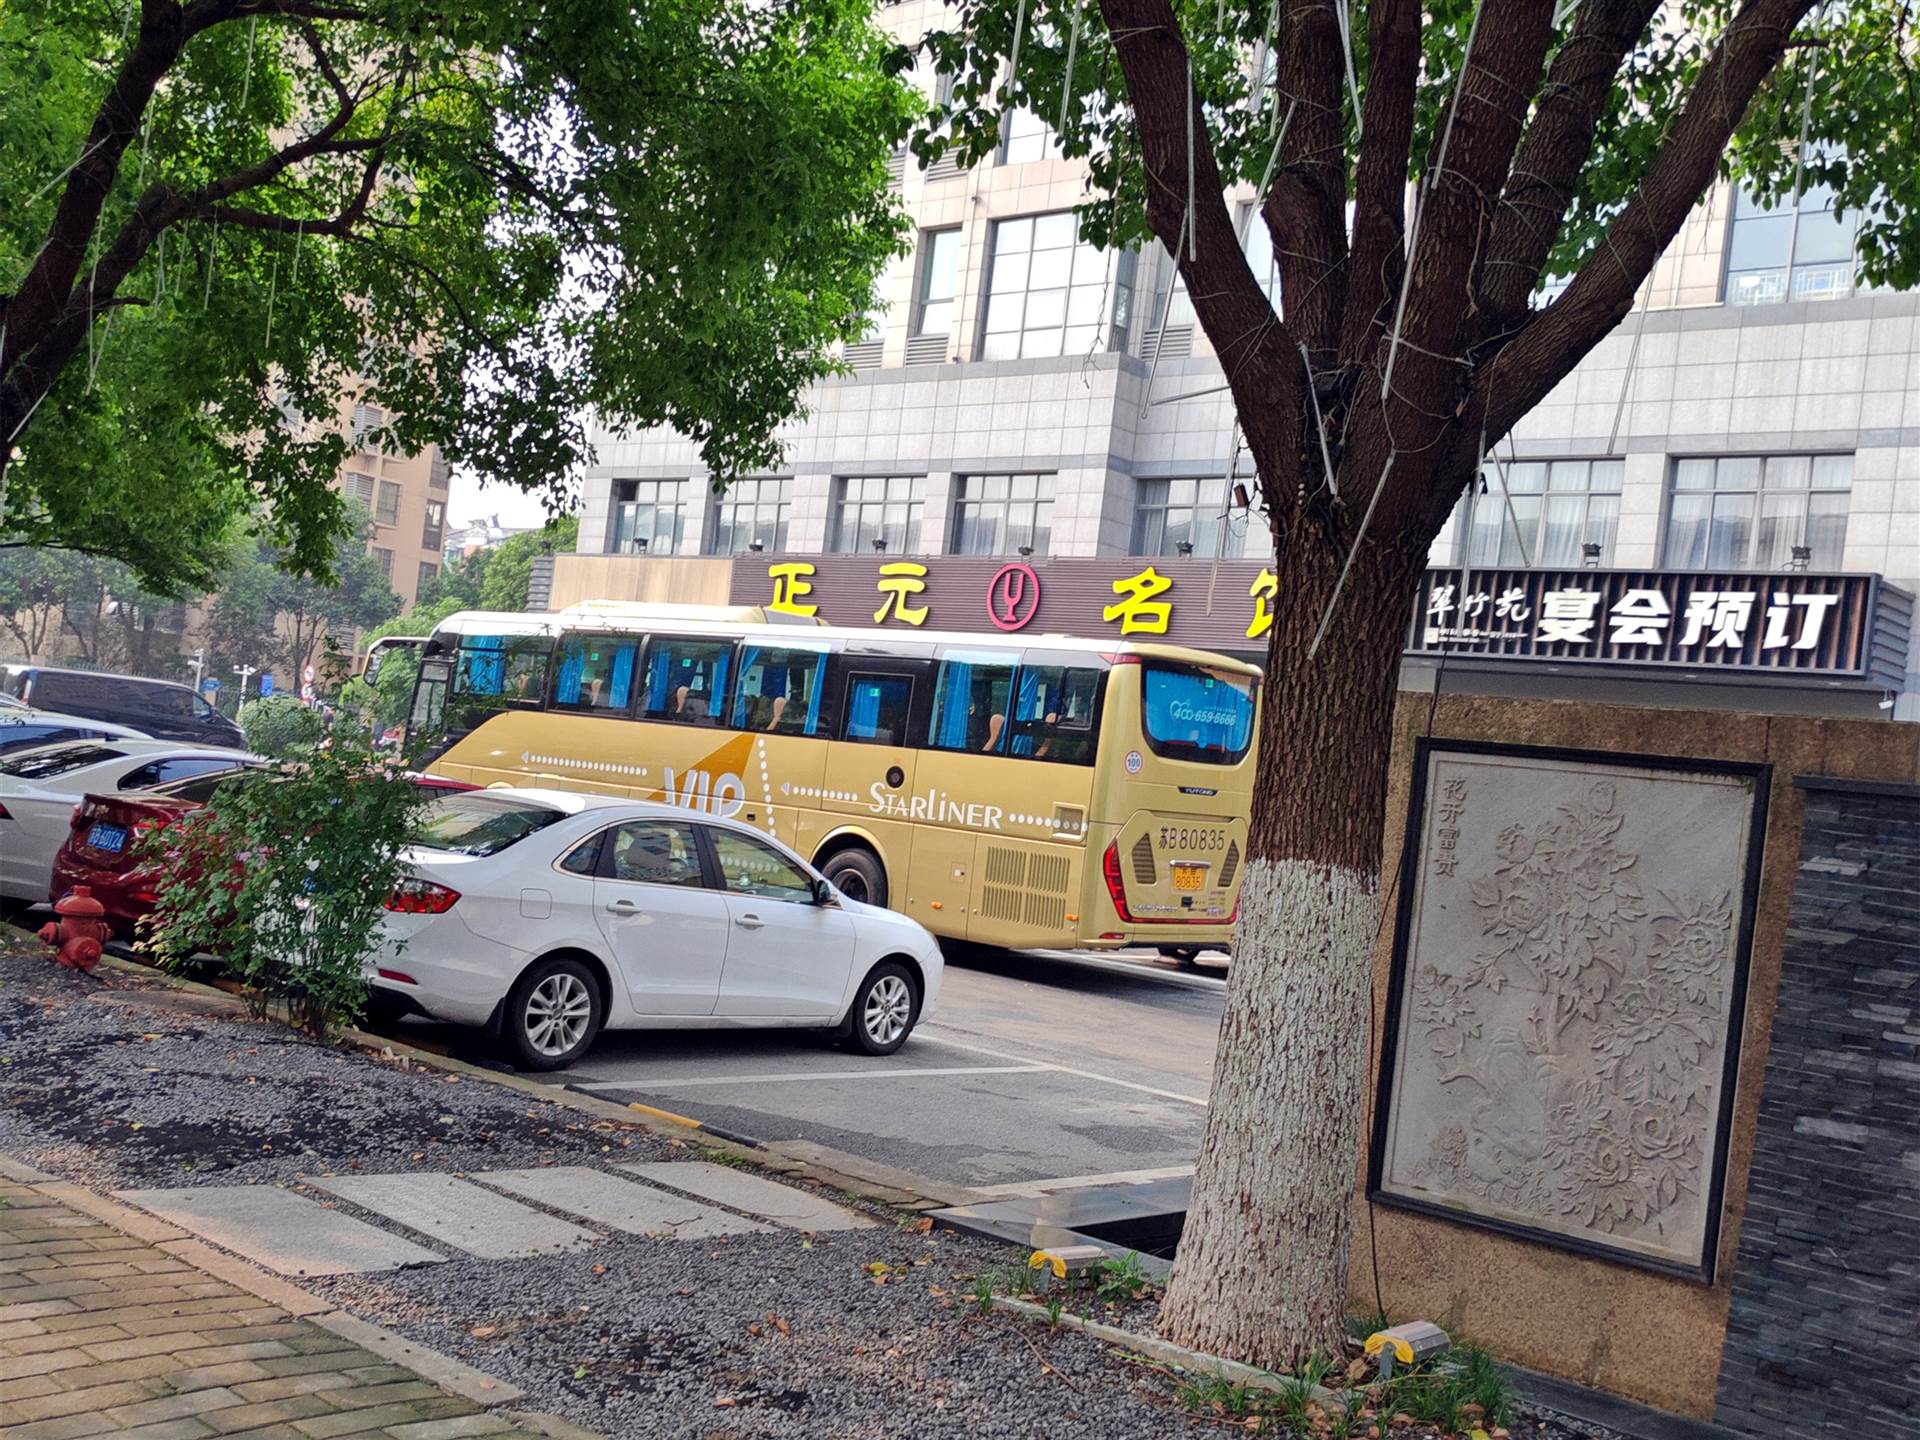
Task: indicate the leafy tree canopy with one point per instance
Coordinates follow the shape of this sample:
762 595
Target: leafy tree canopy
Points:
230 220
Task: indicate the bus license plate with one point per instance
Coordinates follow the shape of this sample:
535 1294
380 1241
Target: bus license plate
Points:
1189 877
110 838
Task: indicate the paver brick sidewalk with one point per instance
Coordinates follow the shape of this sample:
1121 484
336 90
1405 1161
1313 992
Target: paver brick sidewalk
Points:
105 1334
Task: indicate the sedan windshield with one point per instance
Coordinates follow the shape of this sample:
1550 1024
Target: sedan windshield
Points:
479 824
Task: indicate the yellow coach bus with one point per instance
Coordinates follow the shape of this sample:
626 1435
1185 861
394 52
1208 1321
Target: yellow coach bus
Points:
1042 792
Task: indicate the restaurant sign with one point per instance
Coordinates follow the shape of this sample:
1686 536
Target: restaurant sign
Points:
1798 626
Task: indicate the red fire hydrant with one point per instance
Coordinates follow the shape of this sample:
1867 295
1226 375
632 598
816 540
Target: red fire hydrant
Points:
80 934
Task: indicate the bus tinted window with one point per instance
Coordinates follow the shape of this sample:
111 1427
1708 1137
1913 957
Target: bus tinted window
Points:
779 690
1193 714
1053 713
687 680
877 708
595 672
971 701
510 668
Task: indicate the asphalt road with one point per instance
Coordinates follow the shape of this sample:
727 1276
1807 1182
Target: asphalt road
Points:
1039 1068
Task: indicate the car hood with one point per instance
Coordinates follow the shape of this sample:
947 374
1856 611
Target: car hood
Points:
871 917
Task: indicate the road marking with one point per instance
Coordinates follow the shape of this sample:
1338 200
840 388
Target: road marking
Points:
628 1205
465 1216
783 1204
1083 1182
281 1230
1068 1069
784 1077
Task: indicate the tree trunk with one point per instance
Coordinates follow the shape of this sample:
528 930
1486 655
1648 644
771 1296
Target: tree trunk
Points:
1277 1165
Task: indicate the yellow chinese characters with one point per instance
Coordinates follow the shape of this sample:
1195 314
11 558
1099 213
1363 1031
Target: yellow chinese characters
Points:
1264 590
790 582
900 581
1138 612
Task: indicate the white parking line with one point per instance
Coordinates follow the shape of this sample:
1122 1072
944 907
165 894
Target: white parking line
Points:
665 1083
945 1038
1083 1182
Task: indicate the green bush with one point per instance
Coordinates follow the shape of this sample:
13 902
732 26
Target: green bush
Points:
280 724
284 875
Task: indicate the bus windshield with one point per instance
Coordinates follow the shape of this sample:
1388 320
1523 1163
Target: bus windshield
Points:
1192 713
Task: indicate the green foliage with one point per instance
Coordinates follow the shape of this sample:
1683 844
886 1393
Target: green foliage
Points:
1455 1392
506 215
385 702
509 565
280 725
1123 1279
283 875
983 1294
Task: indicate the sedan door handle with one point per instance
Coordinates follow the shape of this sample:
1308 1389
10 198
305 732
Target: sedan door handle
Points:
623 907
749 922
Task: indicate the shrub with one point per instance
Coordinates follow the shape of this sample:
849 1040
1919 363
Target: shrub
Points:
284 875
280 724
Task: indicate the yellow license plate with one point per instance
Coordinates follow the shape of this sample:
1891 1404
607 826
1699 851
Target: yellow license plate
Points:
1189 877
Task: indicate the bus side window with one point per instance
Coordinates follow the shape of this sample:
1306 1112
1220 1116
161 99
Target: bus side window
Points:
1053 713
970 703
877 708
512 668
687 681
595 673
779 691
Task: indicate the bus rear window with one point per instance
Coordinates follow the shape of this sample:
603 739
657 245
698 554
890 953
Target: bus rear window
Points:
1190 713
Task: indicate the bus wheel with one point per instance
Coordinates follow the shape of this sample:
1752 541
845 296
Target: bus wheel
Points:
1187 955
857 874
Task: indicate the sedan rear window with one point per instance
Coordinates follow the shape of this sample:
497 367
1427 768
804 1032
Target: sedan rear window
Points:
480 824
201 788
45 764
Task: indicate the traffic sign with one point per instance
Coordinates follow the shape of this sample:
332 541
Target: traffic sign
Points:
211 685
307 674
266 683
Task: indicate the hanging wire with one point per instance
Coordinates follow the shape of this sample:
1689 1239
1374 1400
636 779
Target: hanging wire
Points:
213 247
1273 158
246 80
68 171
1633 355
299 234
1319 421
1073 51
1013 63
1346 567
1193 239
1345 21
273 282
1166 309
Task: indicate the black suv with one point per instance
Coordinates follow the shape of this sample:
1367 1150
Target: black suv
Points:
160 708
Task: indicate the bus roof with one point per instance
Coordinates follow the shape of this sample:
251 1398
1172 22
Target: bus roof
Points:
724 621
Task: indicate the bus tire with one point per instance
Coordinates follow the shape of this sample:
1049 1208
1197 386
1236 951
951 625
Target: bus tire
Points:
1187 956
858 874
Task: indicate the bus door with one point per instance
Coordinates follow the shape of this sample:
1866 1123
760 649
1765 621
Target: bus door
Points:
868 780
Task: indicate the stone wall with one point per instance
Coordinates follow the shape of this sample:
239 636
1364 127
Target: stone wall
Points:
1824 1332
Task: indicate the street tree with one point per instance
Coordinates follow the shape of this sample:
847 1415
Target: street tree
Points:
232 222
1422 172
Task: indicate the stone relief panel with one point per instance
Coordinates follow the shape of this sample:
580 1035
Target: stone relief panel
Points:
1566 991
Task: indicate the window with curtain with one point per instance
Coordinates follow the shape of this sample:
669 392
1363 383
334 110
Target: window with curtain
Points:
1789 250
939 282
648 511
389 511
1027 137
1168 513
877 709
779 690
972 698
748 510
1559 507
1747 512
1053 713
512 667
595 673
877 507
687 681
433 529
1049 292
997 514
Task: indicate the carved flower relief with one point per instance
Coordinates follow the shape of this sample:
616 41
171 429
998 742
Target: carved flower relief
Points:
1690 944
1444 1010
1515 845
1650 1043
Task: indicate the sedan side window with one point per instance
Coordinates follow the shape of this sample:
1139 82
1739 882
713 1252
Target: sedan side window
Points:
165 772
656 852
751 868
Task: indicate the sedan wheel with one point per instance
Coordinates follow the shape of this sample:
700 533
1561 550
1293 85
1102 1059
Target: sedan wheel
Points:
553 1014
884 1010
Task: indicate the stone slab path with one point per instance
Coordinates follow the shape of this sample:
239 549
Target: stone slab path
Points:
285 1232
624 1205
459 1213
755 1194
105 1334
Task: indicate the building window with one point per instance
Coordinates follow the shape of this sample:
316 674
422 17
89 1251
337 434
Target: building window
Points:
877 507
647 517
433 532
358 487
1558 508
1171 513
384 559
939 282
1027 137
428 572
1800 251
750 510
366 419
389 511
1047 291
1000 514
1748 512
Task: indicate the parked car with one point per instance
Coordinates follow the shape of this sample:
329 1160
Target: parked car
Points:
99 851
161 708
40 788
22 727
545 915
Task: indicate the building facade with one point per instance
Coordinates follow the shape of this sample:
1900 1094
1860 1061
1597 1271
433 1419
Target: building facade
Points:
1026 396
407 497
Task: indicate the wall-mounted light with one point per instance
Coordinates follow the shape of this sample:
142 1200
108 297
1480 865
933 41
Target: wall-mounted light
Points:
1590 554
755 546
880 543
1025 551
1802 558
1185 547
639 544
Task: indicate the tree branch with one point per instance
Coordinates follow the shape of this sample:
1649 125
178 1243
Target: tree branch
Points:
1306 209
1380 180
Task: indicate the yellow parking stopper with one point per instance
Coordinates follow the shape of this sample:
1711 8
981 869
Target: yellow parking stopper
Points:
1406 1344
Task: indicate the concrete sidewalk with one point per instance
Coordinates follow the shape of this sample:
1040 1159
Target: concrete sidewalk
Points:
115 1329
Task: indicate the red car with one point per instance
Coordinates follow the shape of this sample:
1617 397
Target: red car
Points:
107 829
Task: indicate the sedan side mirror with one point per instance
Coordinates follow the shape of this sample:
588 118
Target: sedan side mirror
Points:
824 893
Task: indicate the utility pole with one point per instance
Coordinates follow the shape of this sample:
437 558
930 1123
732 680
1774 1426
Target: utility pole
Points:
199 667
246 673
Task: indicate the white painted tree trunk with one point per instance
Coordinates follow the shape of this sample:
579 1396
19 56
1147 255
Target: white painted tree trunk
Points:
1279 1161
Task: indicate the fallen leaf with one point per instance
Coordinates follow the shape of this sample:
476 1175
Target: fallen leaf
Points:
782 1326
924 1225
753 1328
935 1291
483 1332
724 1402
599 1269
1357 1369
580 1373
683 1293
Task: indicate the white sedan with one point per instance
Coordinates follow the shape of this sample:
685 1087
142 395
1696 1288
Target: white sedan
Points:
545 915
40 787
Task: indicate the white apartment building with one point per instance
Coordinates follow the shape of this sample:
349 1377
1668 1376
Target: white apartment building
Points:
1025 395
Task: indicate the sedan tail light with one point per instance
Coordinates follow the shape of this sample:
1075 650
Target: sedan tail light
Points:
3 813
1116 889
421 897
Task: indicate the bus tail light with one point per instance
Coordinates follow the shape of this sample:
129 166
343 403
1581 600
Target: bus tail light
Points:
1116 888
